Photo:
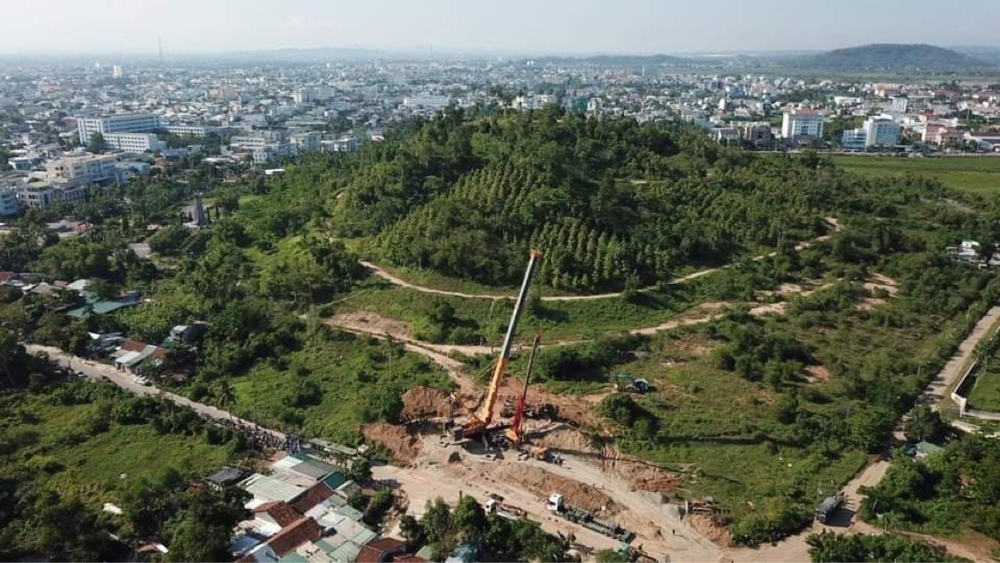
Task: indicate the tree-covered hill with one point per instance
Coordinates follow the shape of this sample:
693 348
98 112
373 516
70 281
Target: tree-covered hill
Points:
613 204
887 56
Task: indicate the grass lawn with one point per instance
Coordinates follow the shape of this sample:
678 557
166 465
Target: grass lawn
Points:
985 396
323 389
94 468
971 174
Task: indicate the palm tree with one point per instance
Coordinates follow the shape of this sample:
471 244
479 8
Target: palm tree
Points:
226 397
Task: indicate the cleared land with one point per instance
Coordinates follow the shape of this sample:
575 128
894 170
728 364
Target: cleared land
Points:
973 174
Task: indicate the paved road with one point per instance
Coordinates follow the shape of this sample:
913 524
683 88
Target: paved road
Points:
96 370
396 280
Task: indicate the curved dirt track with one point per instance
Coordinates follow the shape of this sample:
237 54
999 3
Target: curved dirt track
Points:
396 280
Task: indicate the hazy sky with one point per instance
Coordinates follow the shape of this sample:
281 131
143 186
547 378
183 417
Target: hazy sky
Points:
580 26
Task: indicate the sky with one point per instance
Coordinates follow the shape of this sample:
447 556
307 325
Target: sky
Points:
542 26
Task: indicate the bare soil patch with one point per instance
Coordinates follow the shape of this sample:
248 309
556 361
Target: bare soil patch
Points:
366 321
709 528
404 445
818 374
425 402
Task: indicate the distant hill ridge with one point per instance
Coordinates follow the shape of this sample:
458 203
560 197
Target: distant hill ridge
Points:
880 56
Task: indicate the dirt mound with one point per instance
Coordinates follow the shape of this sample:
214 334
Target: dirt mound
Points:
544 483
714 531
404 445
425 402
646 477
561 437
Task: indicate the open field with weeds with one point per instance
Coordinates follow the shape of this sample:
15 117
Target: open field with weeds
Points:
973 174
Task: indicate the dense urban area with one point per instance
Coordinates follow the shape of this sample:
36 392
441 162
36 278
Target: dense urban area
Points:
318 307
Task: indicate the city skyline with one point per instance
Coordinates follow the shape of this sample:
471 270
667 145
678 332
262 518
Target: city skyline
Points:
517 26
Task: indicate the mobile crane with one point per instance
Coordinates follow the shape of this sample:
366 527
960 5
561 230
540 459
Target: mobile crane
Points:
479 420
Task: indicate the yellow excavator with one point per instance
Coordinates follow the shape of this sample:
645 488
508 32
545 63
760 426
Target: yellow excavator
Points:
480 419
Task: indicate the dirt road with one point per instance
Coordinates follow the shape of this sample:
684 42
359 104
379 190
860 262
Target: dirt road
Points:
396 280
96 371
953 369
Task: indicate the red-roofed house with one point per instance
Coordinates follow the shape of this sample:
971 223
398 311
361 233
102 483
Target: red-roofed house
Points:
380 551
278 512
292 536
312 497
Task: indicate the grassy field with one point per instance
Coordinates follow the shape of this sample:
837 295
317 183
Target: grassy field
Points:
985 396
980 175
324 389
94 468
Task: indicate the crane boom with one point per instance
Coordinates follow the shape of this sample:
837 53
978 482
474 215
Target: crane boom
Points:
484 415
514 433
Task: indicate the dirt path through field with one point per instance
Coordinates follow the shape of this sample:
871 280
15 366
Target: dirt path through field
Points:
396 280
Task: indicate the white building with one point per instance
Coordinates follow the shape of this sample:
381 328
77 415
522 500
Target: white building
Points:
134 142
801 123
900 104
308 141
312 94
272 152
187 130
427 101
8 200
881 131
256 140
124 123
75 170
43 195
116 72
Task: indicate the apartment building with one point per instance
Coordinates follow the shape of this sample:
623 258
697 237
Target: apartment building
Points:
256 140
881 131
124 123
134 142
801 123
8 200
275 151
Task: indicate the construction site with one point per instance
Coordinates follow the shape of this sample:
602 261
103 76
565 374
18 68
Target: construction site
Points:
528 453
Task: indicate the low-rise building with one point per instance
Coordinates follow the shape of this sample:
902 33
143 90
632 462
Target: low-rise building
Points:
75 170
43 195
854 140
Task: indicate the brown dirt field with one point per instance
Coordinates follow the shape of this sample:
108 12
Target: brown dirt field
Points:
878 282
422 402
404 445
372 322
544 483
560 437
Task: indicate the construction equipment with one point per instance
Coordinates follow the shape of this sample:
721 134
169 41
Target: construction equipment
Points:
500 508
479 420
625 382
557 505
515 433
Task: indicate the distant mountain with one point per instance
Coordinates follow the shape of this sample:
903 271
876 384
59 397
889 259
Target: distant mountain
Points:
893 57
990 54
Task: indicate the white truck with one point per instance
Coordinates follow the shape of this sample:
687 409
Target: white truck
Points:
500 508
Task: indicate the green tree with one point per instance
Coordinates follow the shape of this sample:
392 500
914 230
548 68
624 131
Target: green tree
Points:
96 143
925 424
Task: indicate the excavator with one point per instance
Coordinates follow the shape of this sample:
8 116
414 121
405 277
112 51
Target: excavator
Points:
479 420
